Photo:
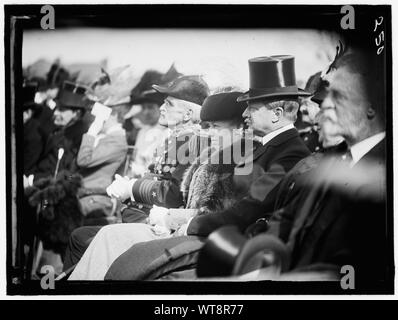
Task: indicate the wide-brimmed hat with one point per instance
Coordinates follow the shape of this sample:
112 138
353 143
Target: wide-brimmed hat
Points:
189 88
272 77
144 92
144 87
222 106
73 96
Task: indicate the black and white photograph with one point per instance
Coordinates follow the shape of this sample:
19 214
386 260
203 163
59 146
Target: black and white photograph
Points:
198 149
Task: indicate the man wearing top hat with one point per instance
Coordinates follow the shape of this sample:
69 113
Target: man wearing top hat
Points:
71 104
271 112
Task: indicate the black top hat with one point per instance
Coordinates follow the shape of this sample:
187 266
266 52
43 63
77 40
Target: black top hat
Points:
73 96
272 77
189 88
222 106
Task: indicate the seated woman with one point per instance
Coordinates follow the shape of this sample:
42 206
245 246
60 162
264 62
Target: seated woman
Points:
102 152
207 186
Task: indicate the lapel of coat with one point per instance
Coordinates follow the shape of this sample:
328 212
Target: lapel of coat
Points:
279 139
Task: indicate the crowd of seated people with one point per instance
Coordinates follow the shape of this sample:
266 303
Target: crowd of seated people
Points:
311 195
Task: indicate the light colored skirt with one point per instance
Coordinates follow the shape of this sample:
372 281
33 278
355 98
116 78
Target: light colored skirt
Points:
108 244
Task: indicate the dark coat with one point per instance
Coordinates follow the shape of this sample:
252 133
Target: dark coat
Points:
68 138
162 185
340 228
46 123
32 146
275 158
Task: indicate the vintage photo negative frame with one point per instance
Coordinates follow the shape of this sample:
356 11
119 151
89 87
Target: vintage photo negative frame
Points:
370 32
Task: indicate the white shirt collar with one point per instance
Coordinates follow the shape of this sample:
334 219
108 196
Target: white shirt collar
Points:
361 148
268 137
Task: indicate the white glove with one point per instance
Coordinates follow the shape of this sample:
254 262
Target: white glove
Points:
159 216
121 188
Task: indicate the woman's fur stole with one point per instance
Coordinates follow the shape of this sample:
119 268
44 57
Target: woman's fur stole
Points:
208 187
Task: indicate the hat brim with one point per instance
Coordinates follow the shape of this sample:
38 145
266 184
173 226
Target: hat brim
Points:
247 97
161 89
63 105
151 96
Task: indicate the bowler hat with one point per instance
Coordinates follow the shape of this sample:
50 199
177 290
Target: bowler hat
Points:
272 77
73 96
189 88
222 106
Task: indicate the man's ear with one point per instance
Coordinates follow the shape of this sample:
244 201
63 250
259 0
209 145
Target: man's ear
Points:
188 115
278 113
371 113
